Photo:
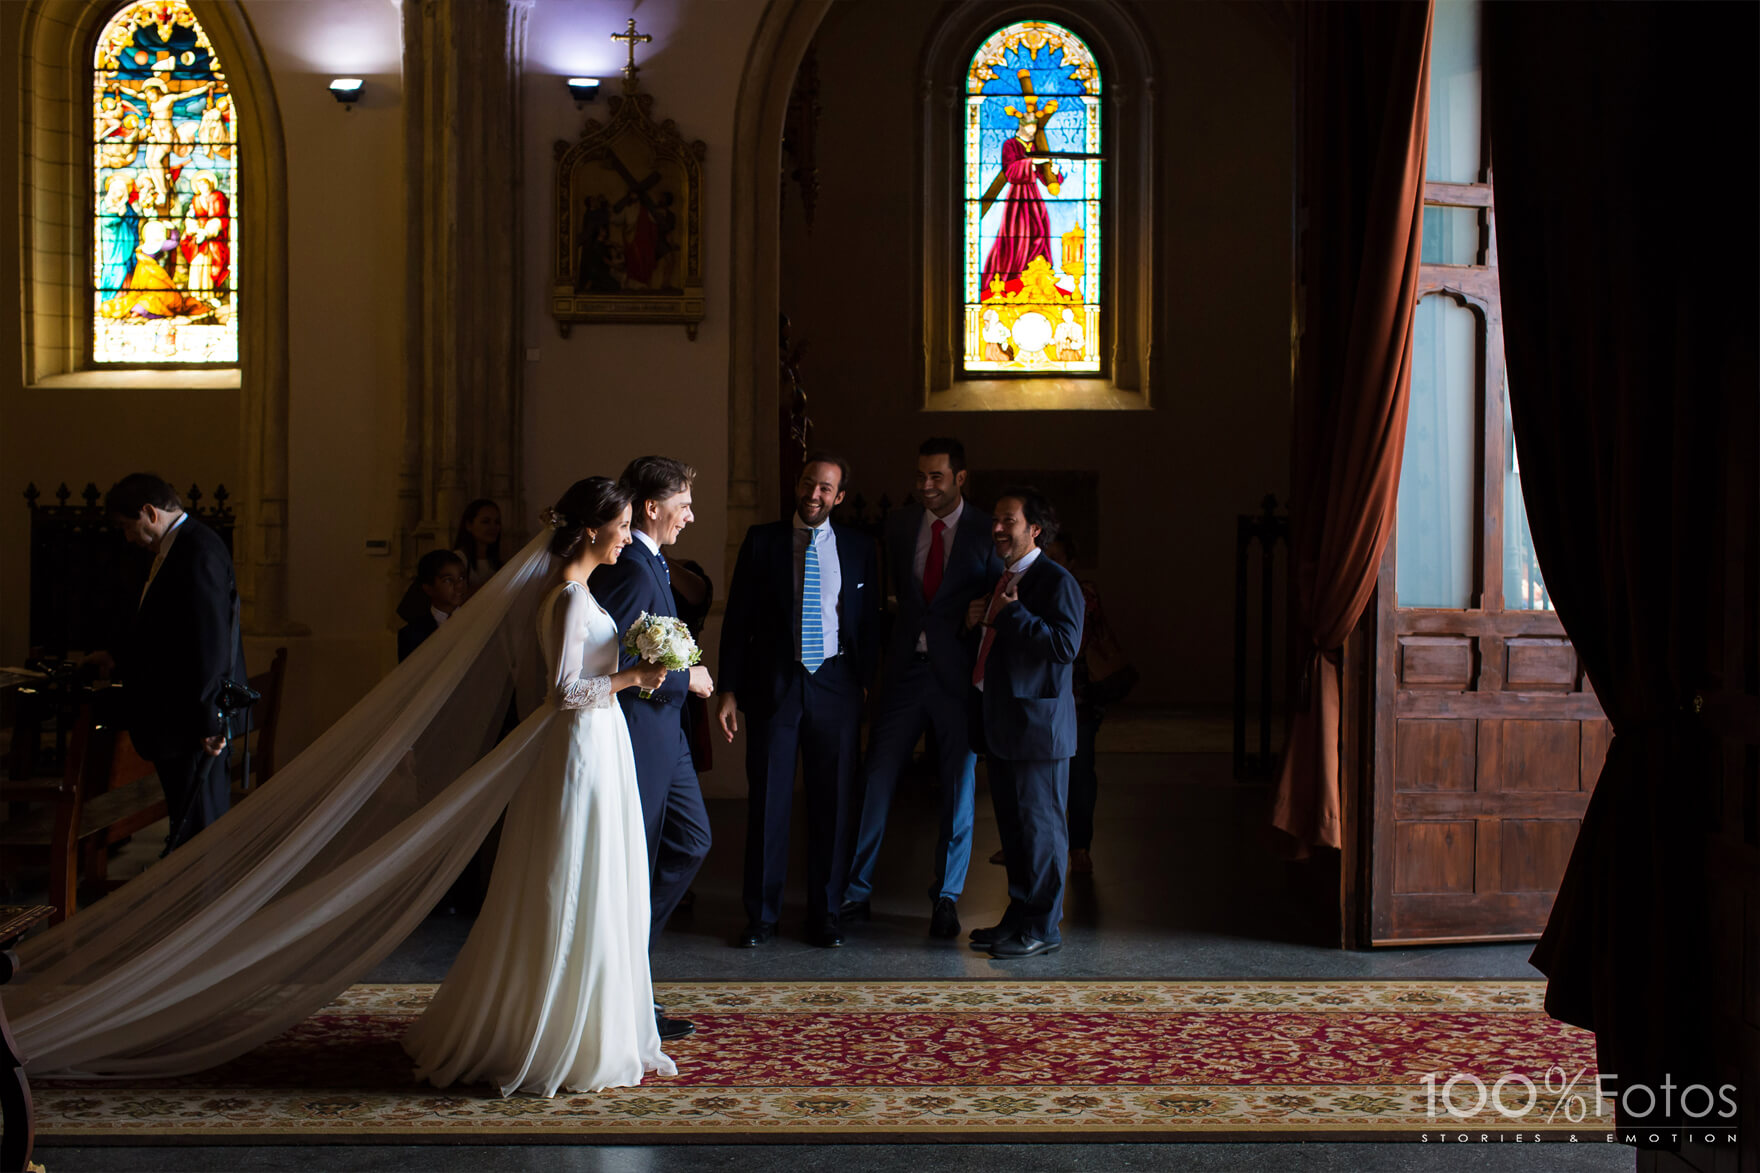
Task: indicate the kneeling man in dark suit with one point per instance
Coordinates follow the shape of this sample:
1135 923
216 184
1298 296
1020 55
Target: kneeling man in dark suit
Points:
1024 718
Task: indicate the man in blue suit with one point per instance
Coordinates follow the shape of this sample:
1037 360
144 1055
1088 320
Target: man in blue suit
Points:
1024 715
941 557
672 800
799 646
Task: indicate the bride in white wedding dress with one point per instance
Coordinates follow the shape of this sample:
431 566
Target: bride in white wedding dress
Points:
552 990
271 913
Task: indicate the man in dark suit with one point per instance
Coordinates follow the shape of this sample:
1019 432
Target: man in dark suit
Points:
184 642
799 646
672 800
1024 714
940 557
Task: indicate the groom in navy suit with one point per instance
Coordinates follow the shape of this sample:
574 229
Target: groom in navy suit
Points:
672 800
1024 716
941 557
799 645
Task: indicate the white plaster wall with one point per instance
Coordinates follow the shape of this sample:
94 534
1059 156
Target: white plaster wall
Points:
610 393
345 290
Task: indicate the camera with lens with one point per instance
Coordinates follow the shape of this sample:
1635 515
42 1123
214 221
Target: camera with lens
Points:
236 697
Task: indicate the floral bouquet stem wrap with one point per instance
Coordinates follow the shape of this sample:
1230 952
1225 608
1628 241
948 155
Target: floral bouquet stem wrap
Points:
662 640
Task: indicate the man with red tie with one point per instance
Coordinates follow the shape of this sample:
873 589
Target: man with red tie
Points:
1023 709
941 556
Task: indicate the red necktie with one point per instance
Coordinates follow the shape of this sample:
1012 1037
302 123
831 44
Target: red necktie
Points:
990 632
932 568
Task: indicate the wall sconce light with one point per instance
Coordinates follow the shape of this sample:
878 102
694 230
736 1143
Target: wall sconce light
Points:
347 90
584 89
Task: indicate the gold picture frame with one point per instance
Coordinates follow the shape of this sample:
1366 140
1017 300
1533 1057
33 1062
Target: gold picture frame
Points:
629 216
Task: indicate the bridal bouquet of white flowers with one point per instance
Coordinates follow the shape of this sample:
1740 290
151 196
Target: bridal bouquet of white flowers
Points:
662 640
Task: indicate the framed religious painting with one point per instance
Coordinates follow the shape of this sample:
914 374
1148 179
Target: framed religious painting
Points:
629 214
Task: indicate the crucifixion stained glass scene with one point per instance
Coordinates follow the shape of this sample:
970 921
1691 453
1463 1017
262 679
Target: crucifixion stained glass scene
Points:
1032 203
165 179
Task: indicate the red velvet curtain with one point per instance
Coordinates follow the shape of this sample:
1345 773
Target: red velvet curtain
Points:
1624 154
1366 81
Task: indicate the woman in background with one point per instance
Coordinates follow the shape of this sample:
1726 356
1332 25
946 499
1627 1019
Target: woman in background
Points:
478 543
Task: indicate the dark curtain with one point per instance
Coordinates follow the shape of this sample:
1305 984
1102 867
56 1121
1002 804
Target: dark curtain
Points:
1624 143
1366 81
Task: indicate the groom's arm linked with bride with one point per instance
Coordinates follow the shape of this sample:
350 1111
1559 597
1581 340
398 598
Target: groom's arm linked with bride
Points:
673 815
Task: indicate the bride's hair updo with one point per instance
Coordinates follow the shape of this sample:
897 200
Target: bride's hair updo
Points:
588 504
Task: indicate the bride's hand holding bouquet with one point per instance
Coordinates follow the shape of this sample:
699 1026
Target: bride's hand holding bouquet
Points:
662 641
644 675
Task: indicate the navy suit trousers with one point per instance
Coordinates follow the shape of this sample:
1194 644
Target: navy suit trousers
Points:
819 718
1030 799
673 814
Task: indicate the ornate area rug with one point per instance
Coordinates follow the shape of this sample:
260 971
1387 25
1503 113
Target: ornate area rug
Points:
930 1061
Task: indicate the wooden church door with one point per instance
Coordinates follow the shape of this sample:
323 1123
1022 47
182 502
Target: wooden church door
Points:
1487 738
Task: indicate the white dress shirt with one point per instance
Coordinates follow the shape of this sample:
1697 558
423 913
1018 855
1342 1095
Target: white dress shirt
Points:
830 577
925 538
646 539
439 615
164 549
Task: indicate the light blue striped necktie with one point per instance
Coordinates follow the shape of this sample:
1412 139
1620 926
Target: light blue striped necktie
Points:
812 629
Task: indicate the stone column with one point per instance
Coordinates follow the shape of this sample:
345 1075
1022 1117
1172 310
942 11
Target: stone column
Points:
463 61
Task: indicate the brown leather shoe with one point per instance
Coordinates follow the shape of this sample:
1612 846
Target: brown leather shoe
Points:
1080 862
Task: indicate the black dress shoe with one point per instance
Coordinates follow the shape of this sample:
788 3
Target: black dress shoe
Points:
944 921
672 1028
755 935
1023 946
855 910
984 938
826 934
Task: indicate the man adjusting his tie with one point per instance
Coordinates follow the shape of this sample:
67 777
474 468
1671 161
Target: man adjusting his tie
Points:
1028 629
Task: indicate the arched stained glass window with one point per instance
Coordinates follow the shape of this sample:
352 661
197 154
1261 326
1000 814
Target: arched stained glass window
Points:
165 182
1032 203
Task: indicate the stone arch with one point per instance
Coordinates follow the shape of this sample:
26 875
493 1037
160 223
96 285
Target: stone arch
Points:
784 32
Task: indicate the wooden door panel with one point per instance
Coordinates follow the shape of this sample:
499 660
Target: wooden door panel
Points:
1435 661
1539 755
1597 736
1435 857
1437 755
1534 664
1535 852
1447 919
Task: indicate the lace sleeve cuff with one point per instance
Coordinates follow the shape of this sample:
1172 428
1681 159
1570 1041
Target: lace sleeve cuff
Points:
587 692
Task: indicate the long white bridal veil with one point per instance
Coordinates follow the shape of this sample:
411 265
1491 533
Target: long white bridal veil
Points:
271 912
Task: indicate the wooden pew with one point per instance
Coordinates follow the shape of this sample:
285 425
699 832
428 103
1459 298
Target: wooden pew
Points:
107 792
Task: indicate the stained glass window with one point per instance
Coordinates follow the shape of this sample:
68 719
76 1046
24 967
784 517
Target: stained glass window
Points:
1032 203
165 184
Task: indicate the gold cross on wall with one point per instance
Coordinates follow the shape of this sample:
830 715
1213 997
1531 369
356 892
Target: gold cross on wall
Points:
632 39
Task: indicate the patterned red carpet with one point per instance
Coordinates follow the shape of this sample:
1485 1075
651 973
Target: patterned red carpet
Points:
911 1061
